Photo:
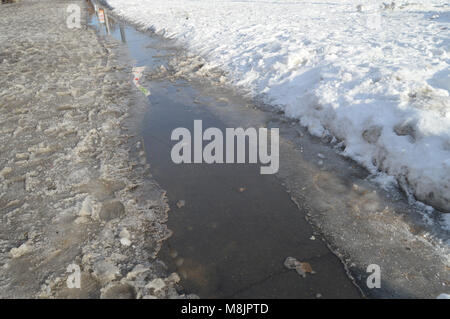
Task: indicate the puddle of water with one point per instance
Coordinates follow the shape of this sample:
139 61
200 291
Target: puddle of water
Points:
237 227
142 48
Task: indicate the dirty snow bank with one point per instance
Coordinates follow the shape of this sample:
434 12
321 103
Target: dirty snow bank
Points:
75 191
374 76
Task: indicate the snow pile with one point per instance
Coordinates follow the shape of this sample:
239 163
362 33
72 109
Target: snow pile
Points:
374 75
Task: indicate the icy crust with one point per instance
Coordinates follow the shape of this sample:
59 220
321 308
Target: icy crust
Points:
374 76
74 185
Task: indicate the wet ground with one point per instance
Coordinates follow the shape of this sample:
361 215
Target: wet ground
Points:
72 176
235 227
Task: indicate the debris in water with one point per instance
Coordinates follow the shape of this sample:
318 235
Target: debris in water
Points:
137 73
301 267
181 203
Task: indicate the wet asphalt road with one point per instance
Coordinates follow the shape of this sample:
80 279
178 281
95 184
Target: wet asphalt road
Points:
237 227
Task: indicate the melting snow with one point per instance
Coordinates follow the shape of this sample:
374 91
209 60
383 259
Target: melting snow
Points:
374 75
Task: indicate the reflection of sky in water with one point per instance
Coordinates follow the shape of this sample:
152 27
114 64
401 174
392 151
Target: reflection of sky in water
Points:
142 48
111 27
226 240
